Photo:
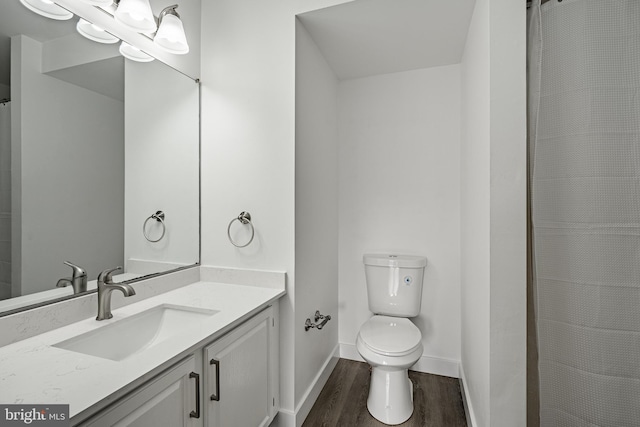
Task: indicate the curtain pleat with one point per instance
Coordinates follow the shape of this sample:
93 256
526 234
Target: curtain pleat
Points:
584 136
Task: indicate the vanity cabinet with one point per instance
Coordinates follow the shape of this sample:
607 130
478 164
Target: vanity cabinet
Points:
170 399
230 382
241 375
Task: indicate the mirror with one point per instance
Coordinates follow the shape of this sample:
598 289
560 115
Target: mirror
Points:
92 148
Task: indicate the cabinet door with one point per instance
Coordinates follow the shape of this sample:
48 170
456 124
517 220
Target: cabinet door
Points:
168 400
239 384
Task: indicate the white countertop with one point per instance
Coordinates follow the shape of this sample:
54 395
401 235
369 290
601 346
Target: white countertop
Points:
34 372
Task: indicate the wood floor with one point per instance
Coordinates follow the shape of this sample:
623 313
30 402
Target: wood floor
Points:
343 401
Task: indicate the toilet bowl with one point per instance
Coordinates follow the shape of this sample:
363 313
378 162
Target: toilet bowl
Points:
389 341
390 345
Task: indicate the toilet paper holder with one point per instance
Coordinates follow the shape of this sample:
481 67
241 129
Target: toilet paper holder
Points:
309 325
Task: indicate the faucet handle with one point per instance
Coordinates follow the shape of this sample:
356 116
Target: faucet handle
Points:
105 276
77 270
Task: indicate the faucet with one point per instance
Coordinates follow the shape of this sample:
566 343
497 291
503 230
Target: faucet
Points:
78 279
105 287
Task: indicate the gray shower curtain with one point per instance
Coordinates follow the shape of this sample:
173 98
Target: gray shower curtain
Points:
584 136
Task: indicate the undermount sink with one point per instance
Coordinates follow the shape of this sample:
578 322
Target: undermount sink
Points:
142 331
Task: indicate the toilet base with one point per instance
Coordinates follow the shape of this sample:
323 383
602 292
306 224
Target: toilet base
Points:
390 395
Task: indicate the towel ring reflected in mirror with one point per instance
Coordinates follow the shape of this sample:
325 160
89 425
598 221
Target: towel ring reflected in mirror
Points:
158 216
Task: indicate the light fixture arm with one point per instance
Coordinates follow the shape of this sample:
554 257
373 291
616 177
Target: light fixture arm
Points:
169 10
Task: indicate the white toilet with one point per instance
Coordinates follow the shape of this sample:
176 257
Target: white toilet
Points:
389 341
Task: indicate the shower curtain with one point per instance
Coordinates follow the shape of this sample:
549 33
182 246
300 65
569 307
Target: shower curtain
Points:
584 136
5 200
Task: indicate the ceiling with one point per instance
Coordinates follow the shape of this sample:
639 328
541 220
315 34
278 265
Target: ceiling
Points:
17 19
369 37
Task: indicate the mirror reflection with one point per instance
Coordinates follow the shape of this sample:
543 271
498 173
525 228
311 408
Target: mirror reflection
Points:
99 162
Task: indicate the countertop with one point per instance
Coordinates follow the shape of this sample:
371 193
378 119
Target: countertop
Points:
34 372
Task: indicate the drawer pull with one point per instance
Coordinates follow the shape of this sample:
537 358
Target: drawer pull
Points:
196 413
216 395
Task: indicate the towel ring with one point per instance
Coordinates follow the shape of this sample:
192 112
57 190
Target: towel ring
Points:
158 216
244 218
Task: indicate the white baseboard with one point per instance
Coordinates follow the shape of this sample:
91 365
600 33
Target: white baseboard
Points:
295 419
466 401
284 419
426 364
312 393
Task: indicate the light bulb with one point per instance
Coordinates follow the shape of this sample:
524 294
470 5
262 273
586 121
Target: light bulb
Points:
95 33
48 9
170 35
133 53
136 15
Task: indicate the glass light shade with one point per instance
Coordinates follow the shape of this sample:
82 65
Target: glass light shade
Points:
133 53
48 9
95 33
136 15
170 35
99 2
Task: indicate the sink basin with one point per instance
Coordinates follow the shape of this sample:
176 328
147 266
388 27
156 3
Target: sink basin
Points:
124 338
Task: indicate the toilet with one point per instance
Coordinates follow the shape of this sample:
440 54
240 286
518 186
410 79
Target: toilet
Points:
389 341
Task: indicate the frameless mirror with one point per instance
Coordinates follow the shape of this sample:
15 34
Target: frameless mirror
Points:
99 161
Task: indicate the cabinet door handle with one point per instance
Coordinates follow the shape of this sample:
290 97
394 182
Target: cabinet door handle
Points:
196 413
216 395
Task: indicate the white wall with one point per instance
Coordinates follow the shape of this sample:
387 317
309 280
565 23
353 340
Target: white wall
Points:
248 145
161 158
5 199
475 211
399 193
248 157
493 223
49 182
316 209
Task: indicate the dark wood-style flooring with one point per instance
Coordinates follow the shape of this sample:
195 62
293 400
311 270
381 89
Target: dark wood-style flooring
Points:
343 401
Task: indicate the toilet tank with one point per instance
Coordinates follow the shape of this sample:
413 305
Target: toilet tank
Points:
394 283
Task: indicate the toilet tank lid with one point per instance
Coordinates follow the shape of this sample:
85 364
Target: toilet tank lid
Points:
391 260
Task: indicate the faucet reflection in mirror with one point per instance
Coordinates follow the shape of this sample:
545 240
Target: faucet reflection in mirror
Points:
78 279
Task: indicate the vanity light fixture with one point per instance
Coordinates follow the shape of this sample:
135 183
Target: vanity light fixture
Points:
170 35
48 9
95 33
133 53
136 15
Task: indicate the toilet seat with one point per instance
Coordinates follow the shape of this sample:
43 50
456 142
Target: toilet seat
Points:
390 336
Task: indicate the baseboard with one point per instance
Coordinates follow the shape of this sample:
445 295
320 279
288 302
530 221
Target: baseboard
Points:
468 408
426 364
312 393
295 419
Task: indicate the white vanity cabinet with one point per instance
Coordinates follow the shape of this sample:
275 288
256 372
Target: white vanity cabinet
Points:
170 399
241 375
230 382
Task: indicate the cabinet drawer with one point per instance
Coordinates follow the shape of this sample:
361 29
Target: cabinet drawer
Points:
168 400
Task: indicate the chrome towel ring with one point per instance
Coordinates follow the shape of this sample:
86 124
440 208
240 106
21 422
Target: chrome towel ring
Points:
158 216
244 218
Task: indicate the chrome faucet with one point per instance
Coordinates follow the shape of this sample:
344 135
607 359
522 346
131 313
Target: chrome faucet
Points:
78 279
105 287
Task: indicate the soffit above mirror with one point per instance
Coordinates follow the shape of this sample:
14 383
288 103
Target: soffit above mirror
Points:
397 35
